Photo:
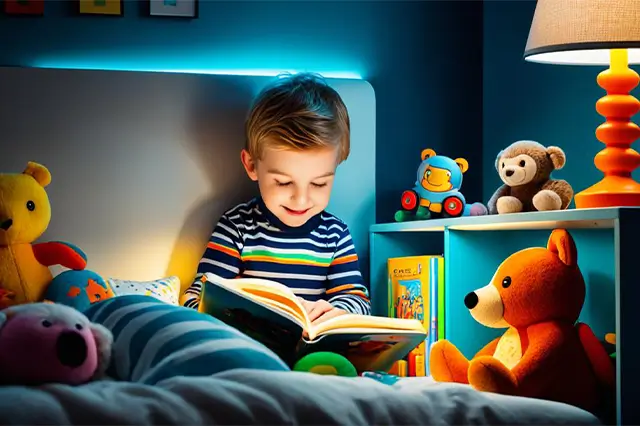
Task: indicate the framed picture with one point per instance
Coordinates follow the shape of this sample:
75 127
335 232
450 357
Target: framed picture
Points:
101 7
24 7
174 8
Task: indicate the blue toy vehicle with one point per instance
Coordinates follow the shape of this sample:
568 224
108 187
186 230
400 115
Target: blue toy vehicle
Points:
436 193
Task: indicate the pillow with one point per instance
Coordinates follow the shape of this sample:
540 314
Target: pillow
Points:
165 289
78 289
153 341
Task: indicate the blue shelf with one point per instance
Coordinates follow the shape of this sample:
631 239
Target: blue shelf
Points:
568 219
473 248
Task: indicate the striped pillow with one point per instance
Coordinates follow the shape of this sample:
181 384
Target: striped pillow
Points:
154 341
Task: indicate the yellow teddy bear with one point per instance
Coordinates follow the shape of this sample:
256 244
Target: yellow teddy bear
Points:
25 213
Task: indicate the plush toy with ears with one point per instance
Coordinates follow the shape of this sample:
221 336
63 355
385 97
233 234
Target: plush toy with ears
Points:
525 168
436 192
537 295
25 213
51 343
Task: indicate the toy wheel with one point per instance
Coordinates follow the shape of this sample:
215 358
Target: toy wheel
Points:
409 200
326 363
453 206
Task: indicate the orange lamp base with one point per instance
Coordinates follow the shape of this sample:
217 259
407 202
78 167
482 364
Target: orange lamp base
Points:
612 191
617 160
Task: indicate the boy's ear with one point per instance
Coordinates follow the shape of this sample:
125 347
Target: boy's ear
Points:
249 164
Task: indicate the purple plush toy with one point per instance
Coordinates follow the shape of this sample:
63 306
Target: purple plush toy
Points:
51 343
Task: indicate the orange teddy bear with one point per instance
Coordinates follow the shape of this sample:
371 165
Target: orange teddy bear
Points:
537 294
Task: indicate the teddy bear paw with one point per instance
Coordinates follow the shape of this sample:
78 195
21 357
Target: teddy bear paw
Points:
488 374
508 204
447 363
547 200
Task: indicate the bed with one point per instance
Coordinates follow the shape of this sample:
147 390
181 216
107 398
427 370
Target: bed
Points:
173 365
244 396
139 175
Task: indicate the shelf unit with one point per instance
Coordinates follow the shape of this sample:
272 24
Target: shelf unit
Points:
473 248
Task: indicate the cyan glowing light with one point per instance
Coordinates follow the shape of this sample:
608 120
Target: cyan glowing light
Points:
258 72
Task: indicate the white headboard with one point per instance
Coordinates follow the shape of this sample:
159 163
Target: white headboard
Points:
143 164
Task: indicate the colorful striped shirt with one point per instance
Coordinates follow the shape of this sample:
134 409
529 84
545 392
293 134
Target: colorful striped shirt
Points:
316 261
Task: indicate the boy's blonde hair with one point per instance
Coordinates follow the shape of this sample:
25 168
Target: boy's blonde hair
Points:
301 112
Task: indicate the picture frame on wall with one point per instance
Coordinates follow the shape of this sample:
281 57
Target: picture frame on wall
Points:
24 7
101 7
174 8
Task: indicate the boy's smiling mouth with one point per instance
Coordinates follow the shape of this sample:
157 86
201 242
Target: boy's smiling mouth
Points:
295 212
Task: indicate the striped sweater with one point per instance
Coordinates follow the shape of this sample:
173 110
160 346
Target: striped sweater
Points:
316 261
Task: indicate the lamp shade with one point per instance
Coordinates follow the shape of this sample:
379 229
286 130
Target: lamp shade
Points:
581 32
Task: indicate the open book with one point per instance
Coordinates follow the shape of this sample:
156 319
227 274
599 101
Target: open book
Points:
272 314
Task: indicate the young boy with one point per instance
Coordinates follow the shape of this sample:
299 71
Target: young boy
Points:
298 132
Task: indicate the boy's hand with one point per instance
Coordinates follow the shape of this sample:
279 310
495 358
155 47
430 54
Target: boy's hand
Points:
316 309
321 310
334 312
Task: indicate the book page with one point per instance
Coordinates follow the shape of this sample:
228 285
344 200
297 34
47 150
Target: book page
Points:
281 307
261 289
351 321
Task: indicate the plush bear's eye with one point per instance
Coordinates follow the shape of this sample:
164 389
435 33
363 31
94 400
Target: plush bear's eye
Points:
78 327
522 163
46 323
506 282
503 165
31 206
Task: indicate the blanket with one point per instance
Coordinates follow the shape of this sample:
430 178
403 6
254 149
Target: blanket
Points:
174 365
247 396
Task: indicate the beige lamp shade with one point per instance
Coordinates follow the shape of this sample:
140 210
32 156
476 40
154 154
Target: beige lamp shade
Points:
581 32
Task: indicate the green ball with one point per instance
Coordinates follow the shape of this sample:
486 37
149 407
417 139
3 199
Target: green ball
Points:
326 363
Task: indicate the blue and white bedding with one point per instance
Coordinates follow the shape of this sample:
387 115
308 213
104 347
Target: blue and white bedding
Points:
171 365
245 396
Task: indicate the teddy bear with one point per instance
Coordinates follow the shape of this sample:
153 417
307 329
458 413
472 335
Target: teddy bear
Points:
525 168
25 213
536 294
51 343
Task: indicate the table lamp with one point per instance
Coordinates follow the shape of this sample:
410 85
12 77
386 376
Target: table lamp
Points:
605 33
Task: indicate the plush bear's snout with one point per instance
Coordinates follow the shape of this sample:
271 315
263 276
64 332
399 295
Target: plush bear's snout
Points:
509 173
471 300
71 349
6 224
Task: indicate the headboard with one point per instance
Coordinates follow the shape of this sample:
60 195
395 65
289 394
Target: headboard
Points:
143 164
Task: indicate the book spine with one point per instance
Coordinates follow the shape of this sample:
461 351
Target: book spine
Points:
412 363
421 369
402 368
432 335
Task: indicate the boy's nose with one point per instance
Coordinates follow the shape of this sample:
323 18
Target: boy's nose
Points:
300 196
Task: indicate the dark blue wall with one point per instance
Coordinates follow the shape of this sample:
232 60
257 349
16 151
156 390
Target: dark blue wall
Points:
424 60
553 104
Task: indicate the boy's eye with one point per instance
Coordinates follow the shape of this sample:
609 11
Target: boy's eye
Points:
319 185
283 183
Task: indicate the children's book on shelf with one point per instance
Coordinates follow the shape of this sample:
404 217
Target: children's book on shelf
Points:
416 291
273 315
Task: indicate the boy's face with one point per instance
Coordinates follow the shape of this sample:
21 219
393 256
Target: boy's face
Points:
294 185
